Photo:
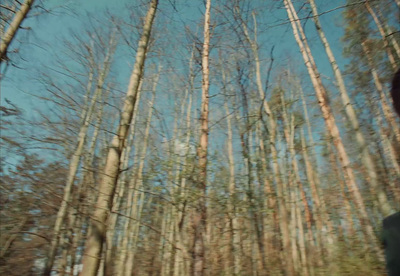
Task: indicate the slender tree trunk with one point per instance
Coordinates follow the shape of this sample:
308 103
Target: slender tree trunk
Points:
235 238
94 244
294 191
181 264
233 268
332 128
270 207
320 206
387 111
289 188
382 28
369 164
139 196
86 189
134 193
345 198
199 262
315 185
123 182
135 234
170 226
389 153
287 261
383 34
75 161
13 28
181 256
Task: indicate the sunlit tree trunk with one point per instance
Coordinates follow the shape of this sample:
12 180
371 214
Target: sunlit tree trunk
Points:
80 207
9 35
139 195
135 197
123 182
235 238
199 261
332 128
95 239
87 187
369 164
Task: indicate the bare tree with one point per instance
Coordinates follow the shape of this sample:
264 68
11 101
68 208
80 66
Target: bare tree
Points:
370 166
76 157
331 126
200 215
95 239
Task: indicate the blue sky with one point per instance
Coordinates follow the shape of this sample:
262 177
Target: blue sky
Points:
44 40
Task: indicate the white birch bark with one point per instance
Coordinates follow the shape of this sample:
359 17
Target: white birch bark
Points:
12 30
235 237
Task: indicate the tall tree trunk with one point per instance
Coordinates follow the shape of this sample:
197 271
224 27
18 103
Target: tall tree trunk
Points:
75 160
94 244
369 164
139 196
315 185
173 177
74 233
332 127
387 111
123 182
199 262
134 193
383 34
289 132
284 227
13 28
86 190
235 238
270 223
319 202
181 256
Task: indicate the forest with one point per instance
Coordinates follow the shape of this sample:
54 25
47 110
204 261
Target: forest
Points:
197 137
